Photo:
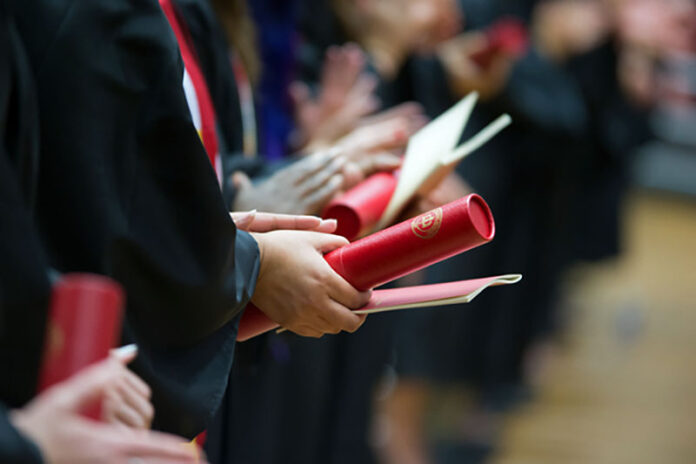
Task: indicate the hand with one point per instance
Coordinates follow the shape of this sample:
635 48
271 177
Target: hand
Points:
346 93
53 423
298 289
370 147
392 29
304 187
126 396
464 75
253 221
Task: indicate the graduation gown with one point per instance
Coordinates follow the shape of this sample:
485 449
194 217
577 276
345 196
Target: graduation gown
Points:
24 286
127 190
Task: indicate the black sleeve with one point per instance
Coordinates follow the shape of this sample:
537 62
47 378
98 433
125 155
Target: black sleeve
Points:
14 447
127 190
544 96
24 286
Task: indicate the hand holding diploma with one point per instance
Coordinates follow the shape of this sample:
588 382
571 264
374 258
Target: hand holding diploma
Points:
298 289
53 421
395 252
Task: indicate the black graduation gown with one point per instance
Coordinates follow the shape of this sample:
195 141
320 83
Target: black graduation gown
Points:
522 175
126 190
24 286
277 381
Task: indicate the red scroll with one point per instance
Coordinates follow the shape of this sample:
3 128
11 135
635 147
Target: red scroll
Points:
360 208
400 250
507 36
84 323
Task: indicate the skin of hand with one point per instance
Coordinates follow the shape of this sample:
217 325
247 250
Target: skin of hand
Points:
564 28
127 397
52 421
298 289
390 30
374 144
301 188
254 221
346 93
464 75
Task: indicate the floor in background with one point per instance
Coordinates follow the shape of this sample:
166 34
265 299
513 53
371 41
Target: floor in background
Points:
621 388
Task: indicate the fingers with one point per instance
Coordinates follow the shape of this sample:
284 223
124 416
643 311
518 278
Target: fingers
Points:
267 222
87 386
322 176
379 162
150 445
328 226
243 220
340 318
299 93
312 164
320 197
325 243
134 405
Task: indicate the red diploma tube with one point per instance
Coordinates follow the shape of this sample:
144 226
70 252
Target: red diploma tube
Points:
507 36
360 208
400 250
84 323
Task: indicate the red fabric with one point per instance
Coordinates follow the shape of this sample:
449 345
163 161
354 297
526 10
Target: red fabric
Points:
205 102
84 323
360 208
400 250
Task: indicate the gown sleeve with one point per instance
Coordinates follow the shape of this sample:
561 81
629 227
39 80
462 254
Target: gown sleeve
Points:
14 447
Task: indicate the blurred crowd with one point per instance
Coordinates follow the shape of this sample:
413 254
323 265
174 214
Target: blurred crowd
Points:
580 84
296 102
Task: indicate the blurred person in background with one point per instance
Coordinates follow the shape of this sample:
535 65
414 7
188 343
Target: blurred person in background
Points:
554 180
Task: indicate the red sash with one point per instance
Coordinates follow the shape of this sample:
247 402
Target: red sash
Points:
207 130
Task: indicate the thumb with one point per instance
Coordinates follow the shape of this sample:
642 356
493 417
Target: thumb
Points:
240 180
325 243
87 386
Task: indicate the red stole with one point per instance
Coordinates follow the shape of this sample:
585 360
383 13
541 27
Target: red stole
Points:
200 102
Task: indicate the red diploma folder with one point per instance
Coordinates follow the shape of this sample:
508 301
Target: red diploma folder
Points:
359 209
507 36
400 250
84 323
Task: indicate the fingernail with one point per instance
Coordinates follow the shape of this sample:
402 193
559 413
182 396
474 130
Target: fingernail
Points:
126 350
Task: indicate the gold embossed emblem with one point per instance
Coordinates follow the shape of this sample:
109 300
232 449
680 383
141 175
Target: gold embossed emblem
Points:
427 225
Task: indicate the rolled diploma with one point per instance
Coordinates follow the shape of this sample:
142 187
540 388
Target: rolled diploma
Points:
359 209
84 323
399 250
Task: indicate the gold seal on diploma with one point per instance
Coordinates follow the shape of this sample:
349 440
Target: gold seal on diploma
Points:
427 225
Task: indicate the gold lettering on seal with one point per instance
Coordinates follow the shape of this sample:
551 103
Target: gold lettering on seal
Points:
427 225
